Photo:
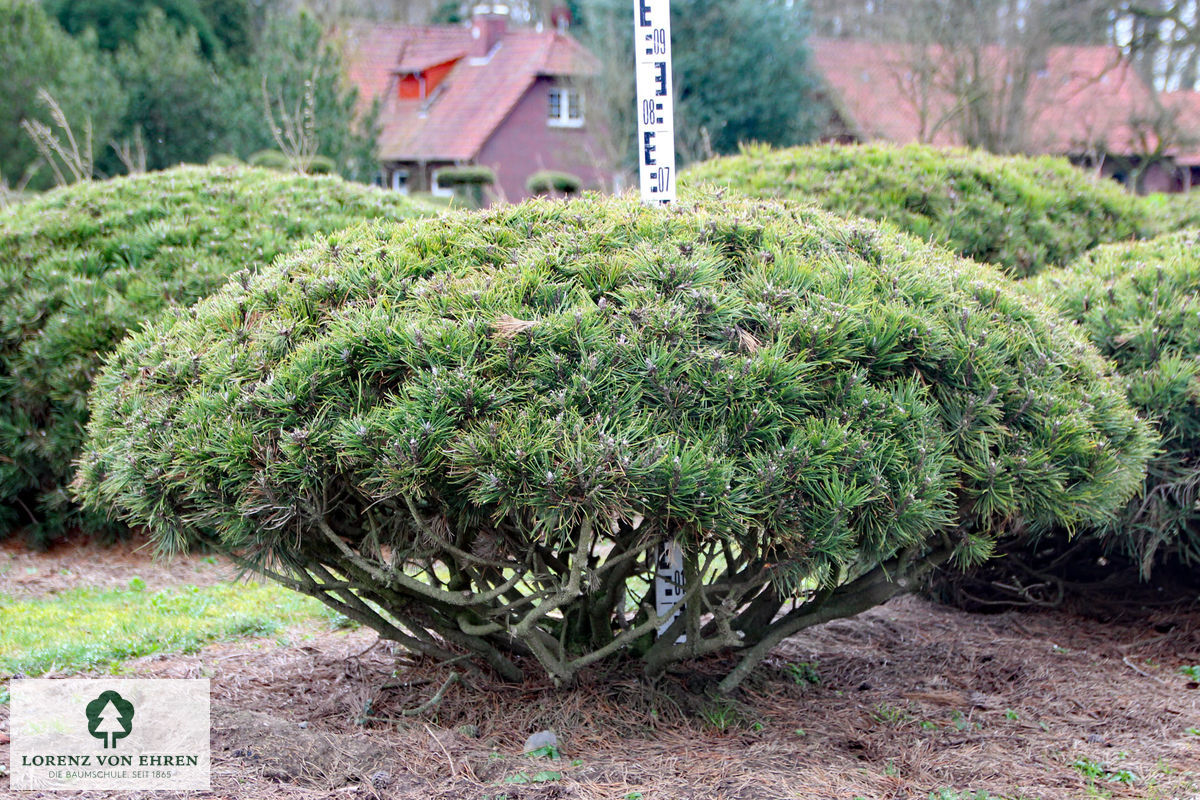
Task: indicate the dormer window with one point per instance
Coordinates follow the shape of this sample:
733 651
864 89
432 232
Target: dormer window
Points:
413 86
566 108
420 84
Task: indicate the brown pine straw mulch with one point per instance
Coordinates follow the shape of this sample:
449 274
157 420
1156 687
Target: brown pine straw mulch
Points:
79 562
913 698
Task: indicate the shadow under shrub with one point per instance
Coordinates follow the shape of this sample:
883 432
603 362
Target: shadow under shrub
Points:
1020 214
472 433
81 266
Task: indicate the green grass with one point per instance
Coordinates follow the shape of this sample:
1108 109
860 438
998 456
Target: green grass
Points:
97 629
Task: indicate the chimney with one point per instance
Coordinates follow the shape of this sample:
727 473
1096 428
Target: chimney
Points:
489 21
560 18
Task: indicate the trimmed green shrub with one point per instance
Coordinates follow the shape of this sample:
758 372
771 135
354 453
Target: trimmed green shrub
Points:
472 433
322 165
468 182
548 181
270 159
81 266
1021 214
452 177
225 160
1139 303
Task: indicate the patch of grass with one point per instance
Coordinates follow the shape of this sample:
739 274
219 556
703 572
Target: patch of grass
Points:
961 723
720 715
1098 771
891 714
97 629
546 751
804 672
545 776
1192 671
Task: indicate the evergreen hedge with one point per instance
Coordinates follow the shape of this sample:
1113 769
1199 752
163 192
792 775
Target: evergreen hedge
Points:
547 181
467 181
472 432
467 175
1020 214
225 160
1139 304
81 266
270 159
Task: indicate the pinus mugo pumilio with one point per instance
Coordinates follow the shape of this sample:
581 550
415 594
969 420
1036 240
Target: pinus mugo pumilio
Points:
472 433
1020 214
1139 304
81 266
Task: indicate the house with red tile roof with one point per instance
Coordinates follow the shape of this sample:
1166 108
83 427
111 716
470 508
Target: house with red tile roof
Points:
1084 102
485 93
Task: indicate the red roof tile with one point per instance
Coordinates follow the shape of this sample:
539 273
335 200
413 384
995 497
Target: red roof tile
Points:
474 98
1084 98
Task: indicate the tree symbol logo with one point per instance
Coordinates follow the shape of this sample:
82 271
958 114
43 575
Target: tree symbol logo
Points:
110 717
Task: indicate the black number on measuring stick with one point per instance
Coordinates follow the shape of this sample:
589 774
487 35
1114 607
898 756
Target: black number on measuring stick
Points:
650 111
658 42
664 179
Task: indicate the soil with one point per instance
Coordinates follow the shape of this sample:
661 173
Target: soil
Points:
75 563
912 698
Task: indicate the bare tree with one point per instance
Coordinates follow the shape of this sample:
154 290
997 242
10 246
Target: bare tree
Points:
294 129
970 66
1163 40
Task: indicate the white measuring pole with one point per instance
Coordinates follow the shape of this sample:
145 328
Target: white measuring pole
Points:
656 177
668 583
656 110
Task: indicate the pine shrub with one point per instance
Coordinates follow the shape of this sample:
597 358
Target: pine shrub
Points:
468 182
472 433
1020 214
322 165
469 175
1139 304
81 266
548 181
1176 211
270 159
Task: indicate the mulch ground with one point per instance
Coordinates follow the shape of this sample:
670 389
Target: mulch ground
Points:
912 698
75 563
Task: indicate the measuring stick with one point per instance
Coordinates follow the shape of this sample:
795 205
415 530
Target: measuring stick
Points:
656 110
656 176
668 583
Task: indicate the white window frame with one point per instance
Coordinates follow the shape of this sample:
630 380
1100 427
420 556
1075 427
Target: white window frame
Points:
436 189
564 118
399 181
